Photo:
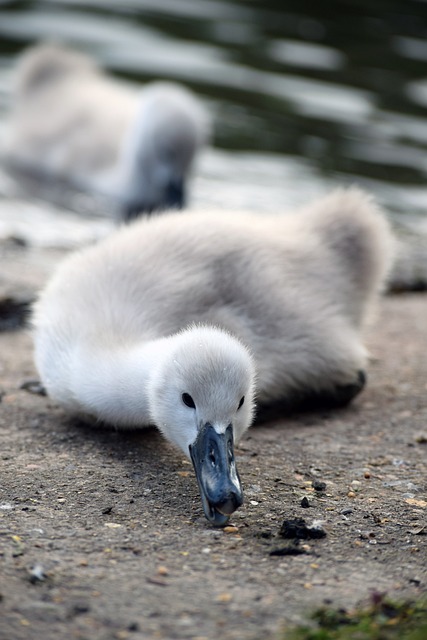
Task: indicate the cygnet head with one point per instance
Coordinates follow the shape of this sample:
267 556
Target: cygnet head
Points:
202 398
169 128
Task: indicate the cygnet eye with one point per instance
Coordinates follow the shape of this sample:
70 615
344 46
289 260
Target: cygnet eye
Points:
188 400
242 399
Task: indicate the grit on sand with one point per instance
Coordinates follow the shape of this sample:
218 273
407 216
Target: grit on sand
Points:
102 534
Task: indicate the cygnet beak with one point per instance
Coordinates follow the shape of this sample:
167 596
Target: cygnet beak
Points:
134 209
212 454
173 198
175 195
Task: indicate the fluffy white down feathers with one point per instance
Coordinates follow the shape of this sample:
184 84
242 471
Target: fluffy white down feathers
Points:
71 121
284 296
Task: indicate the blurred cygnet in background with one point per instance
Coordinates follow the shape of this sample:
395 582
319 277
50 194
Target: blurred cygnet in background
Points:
71 121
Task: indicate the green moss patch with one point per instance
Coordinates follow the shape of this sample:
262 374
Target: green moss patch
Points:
383 619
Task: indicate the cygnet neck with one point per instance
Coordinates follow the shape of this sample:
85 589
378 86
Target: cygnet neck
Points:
111 383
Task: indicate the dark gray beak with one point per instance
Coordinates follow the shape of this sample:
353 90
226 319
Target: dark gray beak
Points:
219 483
173 198
175 195
132 210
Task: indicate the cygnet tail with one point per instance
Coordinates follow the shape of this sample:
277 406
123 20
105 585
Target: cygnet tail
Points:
357 231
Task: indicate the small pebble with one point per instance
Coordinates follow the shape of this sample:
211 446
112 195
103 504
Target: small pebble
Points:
224 597
367 475
80 607
107 510
305 503
351 494
230 529
162 571
37 574
318 485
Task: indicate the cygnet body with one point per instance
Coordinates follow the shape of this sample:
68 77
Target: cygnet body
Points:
177 319
73 122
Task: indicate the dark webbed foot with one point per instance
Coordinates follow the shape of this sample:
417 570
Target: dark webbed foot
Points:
343 394
307 401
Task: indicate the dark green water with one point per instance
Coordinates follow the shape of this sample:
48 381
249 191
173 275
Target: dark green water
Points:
335 91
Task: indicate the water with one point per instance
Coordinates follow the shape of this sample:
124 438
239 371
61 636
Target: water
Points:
305 96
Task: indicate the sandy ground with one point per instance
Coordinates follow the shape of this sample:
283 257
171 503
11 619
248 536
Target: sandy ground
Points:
102 534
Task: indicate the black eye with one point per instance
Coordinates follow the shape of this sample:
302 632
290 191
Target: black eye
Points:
242 399
188 400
